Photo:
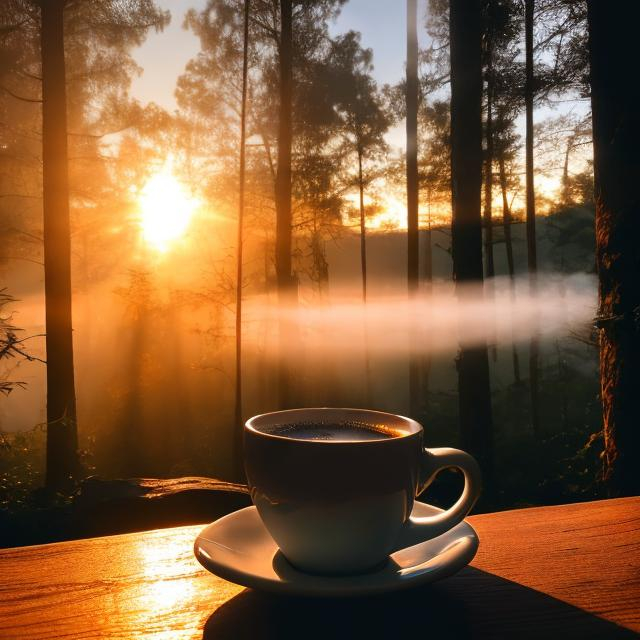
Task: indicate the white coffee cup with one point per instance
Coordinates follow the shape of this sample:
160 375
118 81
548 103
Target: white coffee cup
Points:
341 506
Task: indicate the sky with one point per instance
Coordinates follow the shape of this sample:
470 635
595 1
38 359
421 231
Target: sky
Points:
163 56
382 24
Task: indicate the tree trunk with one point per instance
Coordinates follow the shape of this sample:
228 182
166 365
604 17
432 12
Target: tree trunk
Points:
413 251
62 428
466 174
508 243
412 147
615 97
363 229
237 411
490 270
363 265
427 278
287 287
427 265
127 450
532 260
283 171
488 168
506 218
528 100
566 195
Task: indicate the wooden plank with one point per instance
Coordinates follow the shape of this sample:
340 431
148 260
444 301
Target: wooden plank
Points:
140 585
586 555
571 571
105 507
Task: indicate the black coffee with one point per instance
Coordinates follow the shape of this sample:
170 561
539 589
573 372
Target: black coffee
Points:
348 431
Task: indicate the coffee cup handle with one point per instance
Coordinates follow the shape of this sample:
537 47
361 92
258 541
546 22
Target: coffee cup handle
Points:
416 530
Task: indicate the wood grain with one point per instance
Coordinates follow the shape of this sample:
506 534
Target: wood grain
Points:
570 571
106 507
95 489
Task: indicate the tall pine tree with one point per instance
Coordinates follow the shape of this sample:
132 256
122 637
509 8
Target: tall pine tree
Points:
616 138
465 18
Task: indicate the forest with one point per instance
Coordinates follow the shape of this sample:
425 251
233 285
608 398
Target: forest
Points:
299 231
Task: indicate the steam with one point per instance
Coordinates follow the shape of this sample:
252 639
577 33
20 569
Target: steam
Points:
325 340
501 312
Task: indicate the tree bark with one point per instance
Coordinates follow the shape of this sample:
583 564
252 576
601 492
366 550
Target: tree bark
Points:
508 243
466 174
615 97
287 286
237 411
62 429
413 247
532 259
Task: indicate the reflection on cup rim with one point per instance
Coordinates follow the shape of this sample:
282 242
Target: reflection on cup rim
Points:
407 426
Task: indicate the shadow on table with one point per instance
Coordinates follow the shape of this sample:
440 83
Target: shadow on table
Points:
473 604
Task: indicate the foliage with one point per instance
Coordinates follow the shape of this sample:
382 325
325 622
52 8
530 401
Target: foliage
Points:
561 465
434 162
336 110
11 346
21 465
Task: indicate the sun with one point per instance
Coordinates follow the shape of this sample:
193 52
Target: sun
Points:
166 209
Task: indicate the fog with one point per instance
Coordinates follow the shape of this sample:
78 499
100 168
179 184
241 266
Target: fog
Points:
154 363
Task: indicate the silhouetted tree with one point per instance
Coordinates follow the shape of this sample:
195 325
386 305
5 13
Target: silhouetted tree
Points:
237 413
435 161
289 111
505 149
466 179
502 75
500 29
128 447
287 285
122 23
85 62
413 250
488 164
559 42
363 124
616 136
62 428
532 260
411 90
580 133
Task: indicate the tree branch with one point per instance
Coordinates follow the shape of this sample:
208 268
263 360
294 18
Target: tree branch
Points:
18 97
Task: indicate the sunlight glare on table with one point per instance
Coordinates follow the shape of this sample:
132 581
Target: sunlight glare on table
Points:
163 601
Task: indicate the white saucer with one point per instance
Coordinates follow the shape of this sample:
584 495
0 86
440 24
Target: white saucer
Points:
239 549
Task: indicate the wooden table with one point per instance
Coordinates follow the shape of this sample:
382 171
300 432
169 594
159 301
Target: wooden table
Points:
551 572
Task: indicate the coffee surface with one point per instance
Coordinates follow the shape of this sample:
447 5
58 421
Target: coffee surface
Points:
348 431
